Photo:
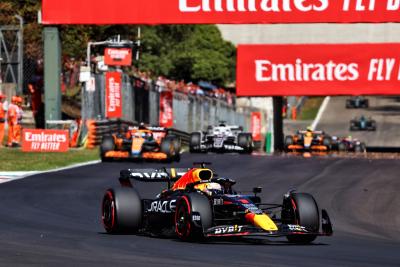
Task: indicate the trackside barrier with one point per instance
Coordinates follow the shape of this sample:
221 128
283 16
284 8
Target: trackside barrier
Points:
97 129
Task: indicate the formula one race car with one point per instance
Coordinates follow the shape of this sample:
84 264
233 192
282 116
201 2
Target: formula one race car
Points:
221 138
308 141
362 124
141 142
357 102
198 206
346 144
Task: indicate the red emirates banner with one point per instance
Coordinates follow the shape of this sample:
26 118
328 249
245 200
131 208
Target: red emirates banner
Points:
256 125
113 95
318 69
118 56
38 140
166 109
217 11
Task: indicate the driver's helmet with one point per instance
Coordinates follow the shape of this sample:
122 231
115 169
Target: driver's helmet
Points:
362 117
350 138
210 188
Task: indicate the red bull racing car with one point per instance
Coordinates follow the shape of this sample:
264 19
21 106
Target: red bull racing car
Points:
198 205
147 143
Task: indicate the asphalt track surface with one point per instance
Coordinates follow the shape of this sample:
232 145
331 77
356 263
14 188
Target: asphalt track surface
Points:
384 110
53 219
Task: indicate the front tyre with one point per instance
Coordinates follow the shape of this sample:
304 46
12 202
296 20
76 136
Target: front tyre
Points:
188 225
121 210
301 209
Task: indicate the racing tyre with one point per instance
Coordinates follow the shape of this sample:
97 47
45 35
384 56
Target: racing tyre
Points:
245 141
195 142
301 209
289 140
358 149
342 147
107 144
121 210
373 126
167 147
327 142
193 215
348 104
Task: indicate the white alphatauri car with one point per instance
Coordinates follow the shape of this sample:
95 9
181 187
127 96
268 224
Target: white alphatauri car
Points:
221 138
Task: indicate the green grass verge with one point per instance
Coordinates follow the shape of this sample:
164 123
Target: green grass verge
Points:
13 159
310 108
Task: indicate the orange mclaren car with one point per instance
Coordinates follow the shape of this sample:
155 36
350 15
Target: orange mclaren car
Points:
147 143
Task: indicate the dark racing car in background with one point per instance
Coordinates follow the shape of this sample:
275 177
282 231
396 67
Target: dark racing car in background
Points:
221 138
200 205
141 142
362 124
357 102
348 144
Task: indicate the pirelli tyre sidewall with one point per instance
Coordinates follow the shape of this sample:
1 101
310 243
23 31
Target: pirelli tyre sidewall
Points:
193 215
107 144
301 209
121 210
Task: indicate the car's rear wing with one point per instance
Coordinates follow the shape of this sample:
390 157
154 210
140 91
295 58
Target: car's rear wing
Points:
150 128
151 175
314 132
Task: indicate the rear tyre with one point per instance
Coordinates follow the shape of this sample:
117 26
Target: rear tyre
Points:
342 147
301 209
186 228
121 210
358 149
195 142
245 141
327 141
373 126
176 142
107 144
167 147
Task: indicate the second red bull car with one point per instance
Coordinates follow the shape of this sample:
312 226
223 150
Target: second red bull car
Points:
197 206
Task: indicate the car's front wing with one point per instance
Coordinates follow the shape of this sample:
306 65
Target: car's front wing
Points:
283 230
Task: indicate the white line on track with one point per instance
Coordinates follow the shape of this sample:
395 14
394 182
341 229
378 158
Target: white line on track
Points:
11 176
320 112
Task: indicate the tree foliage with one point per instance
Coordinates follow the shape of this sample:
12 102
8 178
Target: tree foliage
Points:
188 52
